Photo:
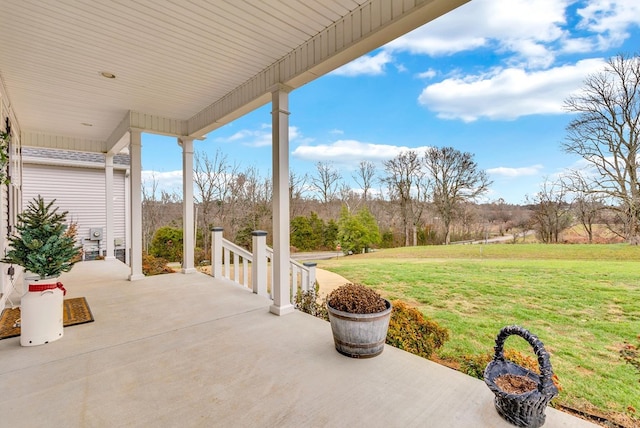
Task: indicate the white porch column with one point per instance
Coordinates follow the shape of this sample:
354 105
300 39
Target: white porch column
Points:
280 157
188 236
108 179
135 182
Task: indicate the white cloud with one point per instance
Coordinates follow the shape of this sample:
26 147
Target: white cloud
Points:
532 32
365 65
349 153
169 181
259 137
507 93
521 27
610 19
516 172
579 45
429 74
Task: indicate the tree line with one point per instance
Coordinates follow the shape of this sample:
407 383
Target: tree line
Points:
415 190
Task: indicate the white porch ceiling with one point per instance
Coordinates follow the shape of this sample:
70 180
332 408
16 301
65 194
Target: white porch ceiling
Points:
182 67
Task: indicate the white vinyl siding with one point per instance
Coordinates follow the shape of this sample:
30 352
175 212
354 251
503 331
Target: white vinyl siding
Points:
81 192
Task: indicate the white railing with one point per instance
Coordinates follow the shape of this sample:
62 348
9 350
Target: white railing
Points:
252 269
302 275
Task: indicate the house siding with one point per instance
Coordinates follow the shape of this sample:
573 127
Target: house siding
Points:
81 192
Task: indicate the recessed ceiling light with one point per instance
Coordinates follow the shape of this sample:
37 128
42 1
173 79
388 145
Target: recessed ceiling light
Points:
107 75
86 124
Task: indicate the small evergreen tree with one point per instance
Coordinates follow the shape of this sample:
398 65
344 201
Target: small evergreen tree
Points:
41 245
301 233
308 233
330 235
357 232
372 232
317 230
167 244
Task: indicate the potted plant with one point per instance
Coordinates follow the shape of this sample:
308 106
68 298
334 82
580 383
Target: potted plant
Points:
45 248
521 396
359 319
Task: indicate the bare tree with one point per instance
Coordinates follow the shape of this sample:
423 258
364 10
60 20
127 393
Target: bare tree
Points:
586 203
520 224
455 178
297 187
326 182
403 173
364 177
498 213
551 212
252 195
606 134
151 211
349 197
211 178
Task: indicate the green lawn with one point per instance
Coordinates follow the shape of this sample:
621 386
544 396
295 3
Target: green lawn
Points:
581 300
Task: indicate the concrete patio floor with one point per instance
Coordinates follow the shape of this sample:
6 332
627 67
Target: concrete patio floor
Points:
190 351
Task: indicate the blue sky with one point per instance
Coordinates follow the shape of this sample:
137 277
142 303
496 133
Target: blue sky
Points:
489 78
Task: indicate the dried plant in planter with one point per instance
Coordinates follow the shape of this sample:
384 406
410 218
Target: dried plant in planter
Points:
515 384
524 408
359 320
356 299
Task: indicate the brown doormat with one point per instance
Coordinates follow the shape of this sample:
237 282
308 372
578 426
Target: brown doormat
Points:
75 311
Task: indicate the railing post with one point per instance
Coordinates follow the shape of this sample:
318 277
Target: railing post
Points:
216 252
311 284
259 264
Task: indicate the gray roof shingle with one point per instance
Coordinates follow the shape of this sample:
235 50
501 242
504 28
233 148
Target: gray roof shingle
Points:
73 156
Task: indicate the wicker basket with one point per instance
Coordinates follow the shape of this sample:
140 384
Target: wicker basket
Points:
523 410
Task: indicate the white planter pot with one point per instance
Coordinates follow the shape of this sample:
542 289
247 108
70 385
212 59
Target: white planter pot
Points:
41 312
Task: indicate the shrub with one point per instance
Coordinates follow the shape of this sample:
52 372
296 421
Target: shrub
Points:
152 265
167 243
386 240
411 331
309 302
200 256
474 365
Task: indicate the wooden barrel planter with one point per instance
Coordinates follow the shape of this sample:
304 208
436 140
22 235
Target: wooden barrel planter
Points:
360 335
525 409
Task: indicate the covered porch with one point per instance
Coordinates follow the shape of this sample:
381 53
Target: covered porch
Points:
192 350
93 77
